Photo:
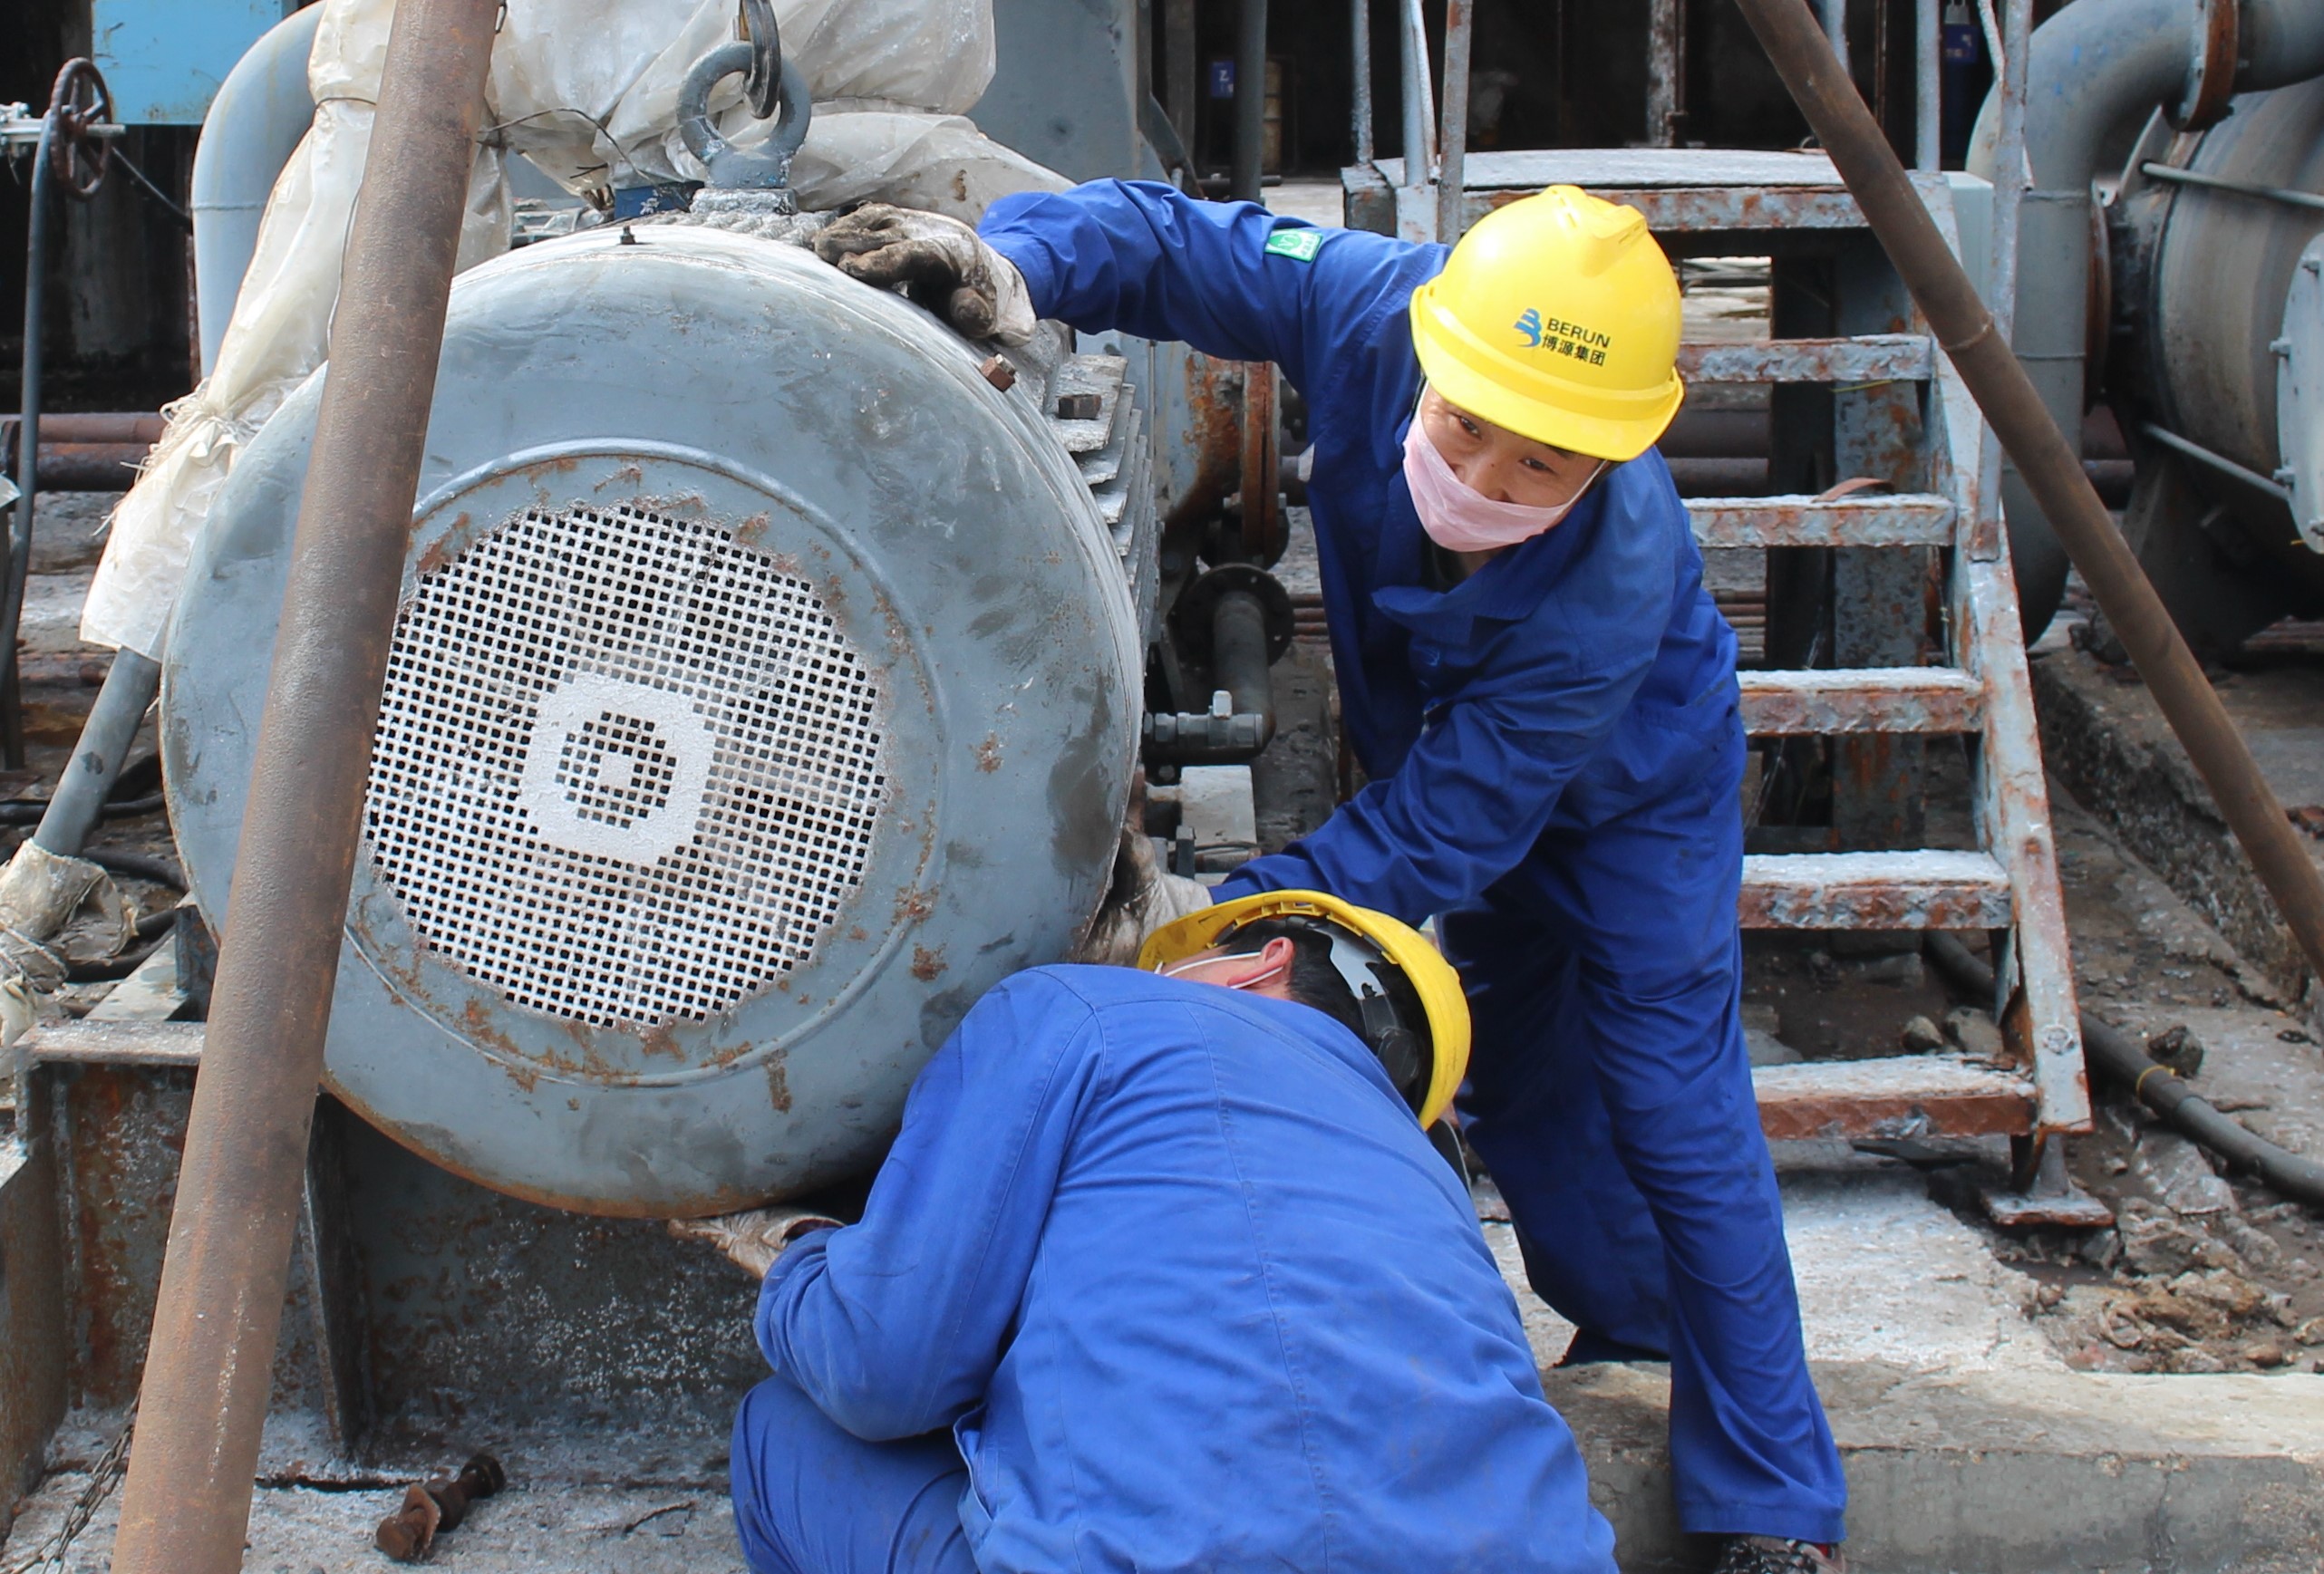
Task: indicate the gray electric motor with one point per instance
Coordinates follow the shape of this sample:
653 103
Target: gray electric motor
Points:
765 688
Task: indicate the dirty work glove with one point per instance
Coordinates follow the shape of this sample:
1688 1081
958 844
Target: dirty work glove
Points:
752 1238
939 262
1142 898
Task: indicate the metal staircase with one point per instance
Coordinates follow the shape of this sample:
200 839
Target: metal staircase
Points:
1895 612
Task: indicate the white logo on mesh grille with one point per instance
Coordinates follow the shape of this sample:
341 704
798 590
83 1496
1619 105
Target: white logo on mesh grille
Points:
626 771
615 768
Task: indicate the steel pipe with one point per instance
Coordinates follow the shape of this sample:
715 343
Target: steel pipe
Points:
186 1506
75 808
1928 86
1418 102
142 427
1250 101
1360 99
90 466
1665 68
2050 465
28 438
2308 199
253 125
1452 138
1240 657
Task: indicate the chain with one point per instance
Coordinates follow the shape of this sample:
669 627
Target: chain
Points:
103 1477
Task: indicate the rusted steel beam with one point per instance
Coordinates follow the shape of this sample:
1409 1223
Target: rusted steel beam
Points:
1916 890
1830 701
1666 67
1452 134
90 467
2046 461
187 1503
1910 519
143 427
1680 210
2011 793
1870 358
1911 1096
103 1043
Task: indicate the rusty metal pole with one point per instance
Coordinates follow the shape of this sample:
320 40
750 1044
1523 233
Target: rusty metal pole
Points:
187 1503
1452 137
1665 65
2051 468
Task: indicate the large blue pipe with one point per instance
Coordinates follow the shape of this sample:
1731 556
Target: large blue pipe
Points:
253 126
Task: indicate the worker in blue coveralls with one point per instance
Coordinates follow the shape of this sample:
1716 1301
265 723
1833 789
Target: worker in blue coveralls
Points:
1163 1274
1543 698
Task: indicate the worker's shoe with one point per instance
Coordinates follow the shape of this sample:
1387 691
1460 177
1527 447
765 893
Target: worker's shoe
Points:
1776 1554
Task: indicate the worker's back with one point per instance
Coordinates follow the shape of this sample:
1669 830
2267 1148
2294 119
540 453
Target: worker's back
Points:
1257 1324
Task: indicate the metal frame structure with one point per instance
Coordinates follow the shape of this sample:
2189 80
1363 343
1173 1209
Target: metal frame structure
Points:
1848 347
1435 141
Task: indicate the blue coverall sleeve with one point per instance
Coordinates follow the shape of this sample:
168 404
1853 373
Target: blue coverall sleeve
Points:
1143 259
1474 795
894 1325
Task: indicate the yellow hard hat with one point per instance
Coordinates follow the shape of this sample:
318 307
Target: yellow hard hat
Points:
1379 958
1557 317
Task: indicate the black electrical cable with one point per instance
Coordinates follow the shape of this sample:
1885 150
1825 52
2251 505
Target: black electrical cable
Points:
120 967
28 811
152 190
136 865
2116 1054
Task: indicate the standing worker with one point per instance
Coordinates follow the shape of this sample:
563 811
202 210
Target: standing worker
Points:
1163 1274
1544 697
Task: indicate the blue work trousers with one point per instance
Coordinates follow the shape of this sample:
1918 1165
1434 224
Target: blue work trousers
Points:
1610 1095
810 1497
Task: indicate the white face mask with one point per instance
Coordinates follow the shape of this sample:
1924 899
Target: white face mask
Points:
1459 518
1175 969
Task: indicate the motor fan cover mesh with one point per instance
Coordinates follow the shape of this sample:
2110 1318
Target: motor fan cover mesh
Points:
626 769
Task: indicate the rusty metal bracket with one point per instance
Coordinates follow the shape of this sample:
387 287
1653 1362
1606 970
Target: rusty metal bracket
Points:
1265 533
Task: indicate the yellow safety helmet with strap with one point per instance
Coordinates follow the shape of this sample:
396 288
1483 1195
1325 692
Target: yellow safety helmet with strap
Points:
1557 317
1415 1016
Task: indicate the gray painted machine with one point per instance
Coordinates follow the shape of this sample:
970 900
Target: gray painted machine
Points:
765 688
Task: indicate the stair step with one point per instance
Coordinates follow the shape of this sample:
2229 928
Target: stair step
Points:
1859 520
1904 1095
1680 190
1910 890
1870 358
1862 699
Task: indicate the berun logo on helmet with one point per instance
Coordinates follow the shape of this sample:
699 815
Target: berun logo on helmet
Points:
1555 336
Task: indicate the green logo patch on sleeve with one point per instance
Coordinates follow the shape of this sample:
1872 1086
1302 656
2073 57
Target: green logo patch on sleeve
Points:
1298 245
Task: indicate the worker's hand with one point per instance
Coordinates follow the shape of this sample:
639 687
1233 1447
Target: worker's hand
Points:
752 1238
1141 899
939 262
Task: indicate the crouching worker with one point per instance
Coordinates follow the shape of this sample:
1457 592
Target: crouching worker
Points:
1163 1273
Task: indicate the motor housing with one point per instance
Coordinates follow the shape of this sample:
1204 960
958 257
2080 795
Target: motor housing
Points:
765 687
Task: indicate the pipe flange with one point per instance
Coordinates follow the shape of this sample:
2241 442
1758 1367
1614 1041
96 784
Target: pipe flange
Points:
2210 74
1192 614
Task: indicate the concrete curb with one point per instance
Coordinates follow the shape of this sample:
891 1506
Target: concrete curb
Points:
2007 1472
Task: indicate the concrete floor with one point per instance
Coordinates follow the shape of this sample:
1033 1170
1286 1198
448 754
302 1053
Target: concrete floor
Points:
1931 1346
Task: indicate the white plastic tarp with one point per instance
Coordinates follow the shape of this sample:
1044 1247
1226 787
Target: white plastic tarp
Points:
588 90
